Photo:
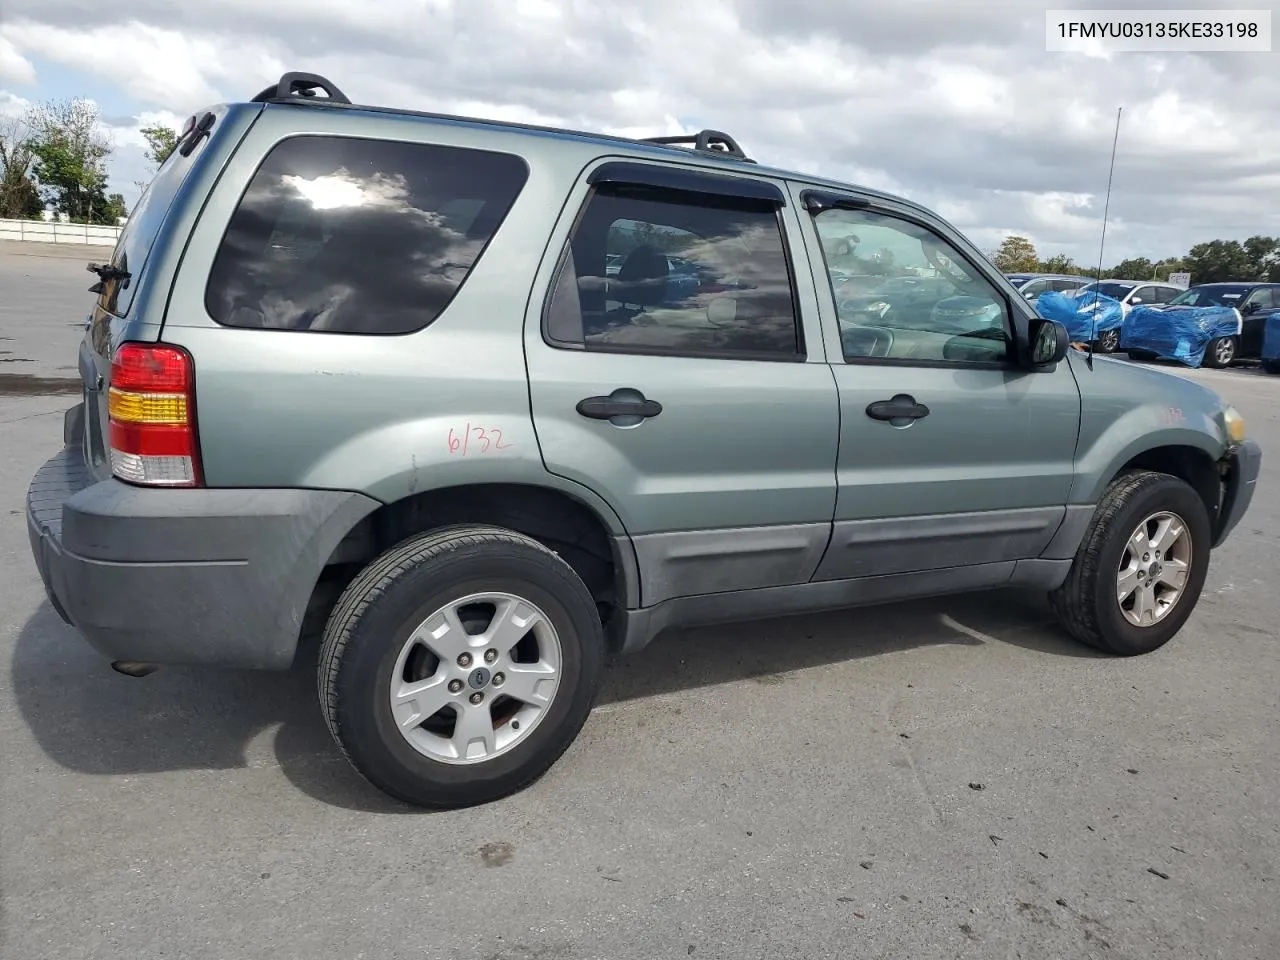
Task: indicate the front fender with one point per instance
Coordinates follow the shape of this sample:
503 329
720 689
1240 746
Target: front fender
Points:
1127 410
1137 431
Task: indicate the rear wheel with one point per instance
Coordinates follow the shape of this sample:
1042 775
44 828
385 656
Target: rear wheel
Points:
460 665
1139 571
1220 352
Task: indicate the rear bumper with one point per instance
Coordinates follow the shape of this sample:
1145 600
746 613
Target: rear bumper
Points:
1243 467
212 577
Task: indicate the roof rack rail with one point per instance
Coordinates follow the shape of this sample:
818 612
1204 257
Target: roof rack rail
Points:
706 141
302 85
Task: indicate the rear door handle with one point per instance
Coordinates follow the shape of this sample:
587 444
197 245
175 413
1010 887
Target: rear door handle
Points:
607 408
902 410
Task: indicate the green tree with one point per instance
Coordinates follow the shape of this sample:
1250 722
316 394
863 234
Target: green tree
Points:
1059 263
1216 261
19 198
115 209
1264 257
1167 266
161 141
70 160
1016 255
1135 268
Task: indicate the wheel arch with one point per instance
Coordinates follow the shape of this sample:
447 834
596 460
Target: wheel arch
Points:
1188 463
582 529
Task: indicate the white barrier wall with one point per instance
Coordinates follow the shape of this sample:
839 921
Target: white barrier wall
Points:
40 231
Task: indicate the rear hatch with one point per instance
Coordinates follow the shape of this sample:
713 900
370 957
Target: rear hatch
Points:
119 312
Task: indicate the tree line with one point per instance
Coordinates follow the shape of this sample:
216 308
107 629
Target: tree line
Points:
1256 259
54 158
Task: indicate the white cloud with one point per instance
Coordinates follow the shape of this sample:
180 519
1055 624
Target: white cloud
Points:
956 105
14 67
12 105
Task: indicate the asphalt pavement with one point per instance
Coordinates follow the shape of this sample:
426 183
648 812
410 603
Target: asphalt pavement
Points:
928 780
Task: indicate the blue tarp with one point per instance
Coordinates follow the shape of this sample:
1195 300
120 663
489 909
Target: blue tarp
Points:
1178 333
1085 317
1271 338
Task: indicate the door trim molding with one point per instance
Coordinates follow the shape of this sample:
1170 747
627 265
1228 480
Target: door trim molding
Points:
866 548
691 562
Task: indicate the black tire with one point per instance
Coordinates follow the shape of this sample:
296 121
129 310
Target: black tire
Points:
1271 366
397 592
1220 352
1085 603
1108 341
1141 355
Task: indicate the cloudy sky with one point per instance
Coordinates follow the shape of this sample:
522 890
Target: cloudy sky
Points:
954 103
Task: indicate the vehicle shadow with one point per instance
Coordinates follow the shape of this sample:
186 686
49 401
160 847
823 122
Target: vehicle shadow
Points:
91 720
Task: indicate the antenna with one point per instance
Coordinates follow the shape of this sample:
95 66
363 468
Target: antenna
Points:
1106 209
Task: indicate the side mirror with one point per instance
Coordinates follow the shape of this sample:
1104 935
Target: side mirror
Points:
1136 300
1251 307
1050 342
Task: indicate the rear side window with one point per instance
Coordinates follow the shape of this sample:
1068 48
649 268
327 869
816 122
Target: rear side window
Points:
345 235
652 270
141 229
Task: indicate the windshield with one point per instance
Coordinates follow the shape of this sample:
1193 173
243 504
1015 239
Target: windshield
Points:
1116 291
1208 297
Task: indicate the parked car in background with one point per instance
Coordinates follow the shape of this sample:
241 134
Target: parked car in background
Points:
1255 301
1031 285
1130 293
1133 293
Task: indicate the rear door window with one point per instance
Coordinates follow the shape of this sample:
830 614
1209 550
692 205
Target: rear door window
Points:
143 226
347 235
1262 297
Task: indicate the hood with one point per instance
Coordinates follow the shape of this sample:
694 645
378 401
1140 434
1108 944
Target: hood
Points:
1122 378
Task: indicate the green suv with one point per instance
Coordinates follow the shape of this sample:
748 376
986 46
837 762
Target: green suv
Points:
373 370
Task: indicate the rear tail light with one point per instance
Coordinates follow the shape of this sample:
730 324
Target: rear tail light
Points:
151 407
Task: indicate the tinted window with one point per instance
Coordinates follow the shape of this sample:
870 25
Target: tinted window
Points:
1261 296
1209 296
1165 294
143 226
651 270
932 305
1117 291
358 236
1067 285
1035 288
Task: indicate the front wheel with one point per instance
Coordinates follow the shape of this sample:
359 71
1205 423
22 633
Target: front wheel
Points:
460 665
1139 571
1220 352
1108 341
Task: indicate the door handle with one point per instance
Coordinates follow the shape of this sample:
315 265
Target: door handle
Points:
902 410
607 408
